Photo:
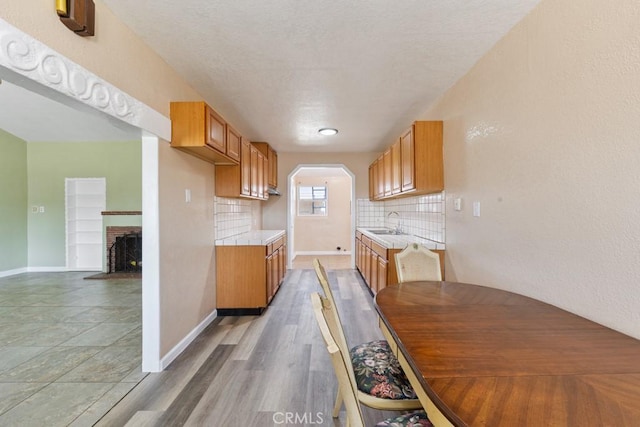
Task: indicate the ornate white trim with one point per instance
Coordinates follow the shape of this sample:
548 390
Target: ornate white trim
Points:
30 58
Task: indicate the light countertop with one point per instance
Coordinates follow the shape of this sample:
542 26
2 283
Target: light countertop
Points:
252 238
399 241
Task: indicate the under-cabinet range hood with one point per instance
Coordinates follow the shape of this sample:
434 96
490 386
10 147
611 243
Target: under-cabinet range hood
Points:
273 191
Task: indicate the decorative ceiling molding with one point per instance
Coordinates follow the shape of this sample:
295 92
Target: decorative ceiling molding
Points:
30 58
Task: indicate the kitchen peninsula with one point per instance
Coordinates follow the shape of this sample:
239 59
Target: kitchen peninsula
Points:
249 269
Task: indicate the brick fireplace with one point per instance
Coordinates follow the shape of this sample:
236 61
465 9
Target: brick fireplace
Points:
122 226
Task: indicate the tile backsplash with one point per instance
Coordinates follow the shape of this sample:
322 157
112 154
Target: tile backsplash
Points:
422 216
232 216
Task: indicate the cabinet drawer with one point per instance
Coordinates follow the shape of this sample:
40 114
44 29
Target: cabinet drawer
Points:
379 249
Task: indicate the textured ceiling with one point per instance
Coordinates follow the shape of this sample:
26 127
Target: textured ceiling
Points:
280 70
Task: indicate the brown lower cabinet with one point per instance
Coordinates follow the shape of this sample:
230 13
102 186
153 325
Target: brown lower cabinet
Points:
377 264
247 277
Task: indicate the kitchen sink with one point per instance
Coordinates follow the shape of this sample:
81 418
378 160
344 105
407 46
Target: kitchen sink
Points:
384 232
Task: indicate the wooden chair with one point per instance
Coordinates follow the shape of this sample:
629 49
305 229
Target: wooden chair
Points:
367 359
415 262
326 318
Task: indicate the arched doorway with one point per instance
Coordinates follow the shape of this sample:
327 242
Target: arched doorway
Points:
321 212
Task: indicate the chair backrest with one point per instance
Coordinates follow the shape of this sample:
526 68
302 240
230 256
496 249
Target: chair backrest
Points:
328 294
323 310
415 262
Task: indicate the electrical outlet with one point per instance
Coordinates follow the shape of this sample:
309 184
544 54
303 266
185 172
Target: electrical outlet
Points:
41 209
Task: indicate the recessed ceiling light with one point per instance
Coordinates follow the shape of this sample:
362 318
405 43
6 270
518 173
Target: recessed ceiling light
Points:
328 131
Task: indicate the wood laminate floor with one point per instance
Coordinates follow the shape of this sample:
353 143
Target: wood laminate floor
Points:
270 370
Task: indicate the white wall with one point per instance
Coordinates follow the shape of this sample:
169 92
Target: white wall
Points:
543 131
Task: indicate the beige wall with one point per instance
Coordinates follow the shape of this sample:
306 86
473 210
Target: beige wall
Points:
187 254
544 133
326 233
187 287
274 211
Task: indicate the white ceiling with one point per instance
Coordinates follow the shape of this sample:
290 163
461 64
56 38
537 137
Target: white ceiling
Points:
37 118
280 70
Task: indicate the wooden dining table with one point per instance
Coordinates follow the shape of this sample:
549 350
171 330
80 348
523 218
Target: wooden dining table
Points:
479 356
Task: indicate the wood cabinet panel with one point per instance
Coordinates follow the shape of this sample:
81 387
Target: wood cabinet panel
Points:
248 277
407 161
246 180
233 143
386 166
197 129
396 168
216 131
241 283
413 165
271 163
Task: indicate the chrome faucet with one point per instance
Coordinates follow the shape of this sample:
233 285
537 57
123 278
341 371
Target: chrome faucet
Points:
398 228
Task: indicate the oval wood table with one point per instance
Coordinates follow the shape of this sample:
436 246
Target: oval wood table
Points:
479 356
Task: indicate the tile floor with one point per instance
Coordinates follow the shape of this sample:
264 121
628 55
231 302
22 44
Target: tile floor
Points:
70 348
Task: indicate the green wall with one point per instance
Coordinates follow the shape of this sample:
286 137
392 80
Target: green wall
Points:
48 166
13 202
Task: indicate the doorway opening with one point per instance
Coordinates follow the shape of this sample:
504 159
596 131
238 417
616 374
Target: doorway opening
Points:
321 216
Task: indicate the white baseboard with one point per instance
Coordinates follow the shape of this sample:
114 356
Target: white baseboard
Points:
8 273
182 345
322 253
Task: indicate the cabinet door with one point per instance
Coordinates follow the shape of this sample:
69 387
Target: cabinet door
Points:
245 168
382 273
379 165
396 168
270 285
216 131
373 284
388 179
260 176
367 265
233 143
273 168
407 155
254 171
276 271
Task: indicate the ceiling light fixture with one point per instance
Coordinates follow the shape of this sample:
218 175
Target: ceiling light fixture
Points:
328 131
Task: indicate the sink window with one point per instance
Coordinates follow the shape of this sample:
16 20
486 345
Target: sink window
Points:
312 200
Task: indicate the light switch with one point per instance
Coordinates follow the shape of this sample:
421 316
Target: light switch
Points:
34 209
187 195
476 208
41 209
457 204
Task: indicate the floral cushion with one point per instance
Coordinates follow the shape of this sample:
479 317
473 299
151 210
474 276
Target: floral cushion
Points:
378 371
414 419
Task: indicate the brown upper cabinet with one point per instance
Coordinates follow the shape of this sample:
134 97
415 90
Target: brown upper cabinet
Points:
412 166
197 129
246 180
271 158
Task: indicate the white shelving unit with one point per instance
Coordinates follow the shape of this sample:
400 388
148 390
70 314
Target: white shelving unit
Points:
85 199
